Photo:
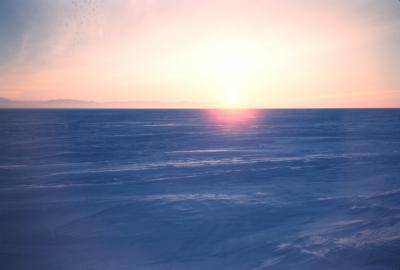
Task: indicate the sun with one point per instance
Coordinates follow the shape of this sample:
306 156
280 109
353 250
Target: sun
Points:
232 99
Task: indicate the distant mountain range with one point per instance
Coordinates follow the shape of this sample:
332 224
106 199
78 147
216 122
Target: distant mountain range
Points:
71 104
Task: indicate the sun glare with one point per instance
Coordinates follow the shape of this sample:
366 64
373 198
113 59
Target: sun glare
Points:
232 99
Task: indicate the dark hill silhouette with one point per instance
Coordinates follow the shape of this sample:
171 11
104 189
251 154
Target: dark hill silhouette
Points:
72 103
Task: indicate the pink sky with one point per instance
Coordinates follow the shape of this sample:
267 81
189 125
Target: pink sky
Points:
269 53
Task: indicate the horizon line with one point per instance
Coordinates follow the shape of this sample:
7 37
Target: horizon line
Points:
7 103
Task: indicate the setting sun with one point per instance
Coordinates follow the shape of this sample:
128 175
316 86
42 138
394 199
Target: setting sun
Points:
232 99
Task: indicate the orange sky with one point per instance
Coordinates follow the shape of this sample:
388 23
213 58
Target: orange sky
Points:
265 53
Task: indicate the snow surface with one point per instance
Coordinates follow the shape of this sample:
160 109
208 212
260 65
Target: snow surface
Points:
184 189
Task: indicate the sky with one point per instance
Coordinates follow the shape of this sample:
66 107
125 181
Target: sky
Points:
287 53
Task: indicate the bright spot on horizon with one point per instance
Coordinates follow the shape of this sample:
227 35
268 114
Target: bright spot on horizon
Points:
232 99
